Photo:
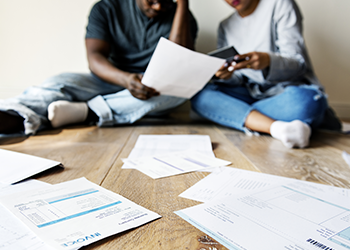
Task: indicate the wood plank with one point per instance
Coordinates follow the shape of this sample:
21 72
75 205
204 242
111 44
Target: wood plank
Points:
321 162
84 151
161 195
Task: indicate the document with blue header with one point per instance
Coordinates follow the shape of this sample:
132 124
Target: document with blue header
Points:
76 213
290 216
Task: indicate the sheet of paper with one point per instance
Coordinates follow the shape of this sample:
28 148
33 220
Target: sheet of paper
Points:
13 233
177 71
76 213
175 163
226 181
16 166
277 217
346 157
154 145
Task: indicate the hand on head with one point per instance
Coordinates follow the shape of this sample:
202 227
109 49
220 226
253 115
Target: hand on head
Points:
138 90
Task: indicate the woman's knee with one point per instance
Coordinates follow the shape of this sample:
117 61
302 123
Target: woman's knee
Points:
307 102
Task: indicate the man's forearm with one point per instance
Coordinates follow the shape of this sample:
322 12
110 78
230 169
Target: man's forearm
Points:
101 67
181 31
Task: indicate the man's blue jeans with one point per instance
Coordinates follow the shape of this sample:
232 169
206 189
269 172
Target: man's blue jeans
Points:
113 104
230 106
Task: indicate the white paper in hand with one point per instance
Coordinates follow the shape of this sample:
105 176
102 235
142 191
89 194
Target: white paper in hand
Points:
177 71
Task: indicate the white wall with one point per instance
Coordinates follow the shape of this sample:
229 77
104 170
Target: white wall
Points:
40 38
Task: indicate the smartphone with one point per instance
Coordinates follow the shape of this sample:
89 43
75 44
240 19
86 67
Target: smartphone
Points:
227 53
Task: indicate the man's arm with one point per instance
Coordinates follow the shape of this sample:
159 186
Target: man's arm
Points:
97 55
181 29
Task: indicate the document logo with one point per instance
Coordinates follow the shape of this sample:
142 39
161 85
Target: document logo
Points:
80 240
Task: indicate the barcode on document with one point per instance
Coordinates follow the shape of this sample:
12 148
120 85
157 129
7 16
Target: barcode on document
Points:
319 245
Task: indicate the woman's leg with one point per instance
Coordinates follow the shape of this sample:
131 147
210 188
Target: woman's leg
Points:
304 103
291 114
228 106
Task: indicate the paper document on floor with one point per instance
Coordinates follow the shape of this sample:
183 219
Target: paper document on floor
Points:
288 216
76 213
175 163
155 145
226 181
16 166
13 233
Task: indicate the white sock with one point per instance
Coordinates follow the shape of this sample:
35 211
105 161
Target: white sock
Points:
61 113
292 134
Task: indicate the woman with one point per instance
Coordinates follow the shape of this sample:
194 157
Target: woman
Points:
270 87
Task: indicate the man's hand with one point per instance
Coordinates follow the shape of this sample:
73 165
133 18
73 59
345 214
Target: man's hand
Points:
137 89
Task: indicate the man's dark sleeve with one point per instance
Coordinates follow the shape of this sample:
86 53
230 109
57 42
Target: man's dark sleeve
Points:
98 26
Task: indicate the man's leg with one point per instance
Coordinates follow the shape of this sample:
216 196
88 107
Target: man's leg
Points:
10 123
123 108
32 105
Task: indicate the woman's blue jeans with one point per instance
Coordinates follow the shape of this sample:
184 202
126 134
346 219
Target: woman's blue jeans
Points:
230 105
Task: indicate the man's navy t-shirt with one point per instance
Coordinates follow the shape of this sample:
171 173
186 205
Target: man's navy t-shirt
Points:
132 35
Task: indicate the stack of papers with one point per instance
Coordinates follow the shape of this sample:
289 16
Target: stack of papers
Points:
76 213
272 212
16 167
161 156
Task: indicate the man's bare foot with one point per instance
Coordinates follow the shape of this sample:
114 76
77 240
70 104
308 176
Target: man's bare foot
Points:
10 124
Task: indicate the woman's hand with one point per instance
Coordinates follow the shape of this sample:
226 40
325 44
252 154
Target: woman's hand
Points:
252 60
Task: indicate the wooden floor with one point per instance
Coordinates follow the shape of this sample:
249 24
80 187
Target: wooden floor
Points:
96 153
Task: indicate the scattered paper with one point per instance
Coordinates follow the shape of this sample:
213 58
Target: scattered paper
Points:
175 163
346 157
297 216
225 182
177 71
155 145
16 167
76 213
13 233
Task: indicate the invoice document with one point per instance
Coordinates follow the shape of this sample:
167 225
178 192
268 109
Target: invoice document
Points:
175 163
154 145
76 213
13 233
224 182
15 167
177 71
294 216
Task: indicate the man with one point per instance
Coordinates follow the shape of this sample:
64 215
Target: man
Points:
120 39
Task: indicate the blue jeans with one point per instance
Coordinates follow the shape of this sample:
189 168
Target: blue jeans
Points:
113 104
230 105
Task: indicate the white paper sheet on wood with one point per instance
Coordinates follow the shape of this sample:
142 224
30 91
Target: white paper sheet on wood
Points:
155 145
226 181
295 215
177 71
15 167
13 233
76 213
346 157
175 163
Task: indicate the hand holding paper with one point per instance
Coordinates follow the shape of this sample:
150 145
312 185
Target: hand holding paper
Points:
177 71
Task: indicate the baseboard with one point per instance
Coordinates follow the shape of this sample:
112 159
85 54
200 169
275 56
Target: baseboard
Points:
342 110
